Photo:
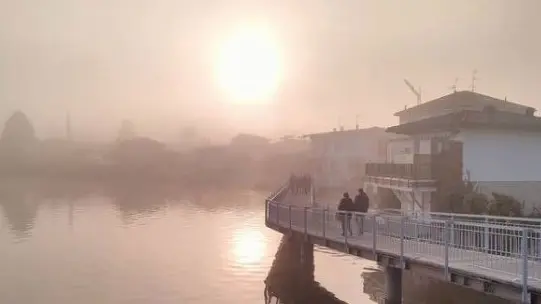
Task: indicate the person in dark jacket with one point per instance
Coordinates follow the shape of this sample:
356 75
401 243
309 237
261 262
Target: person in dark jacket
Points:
361 205
345 207
307 184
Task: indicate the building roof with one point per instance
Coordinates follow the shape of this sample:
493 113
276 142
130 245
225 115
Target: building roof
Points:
464 100
469 119
373 130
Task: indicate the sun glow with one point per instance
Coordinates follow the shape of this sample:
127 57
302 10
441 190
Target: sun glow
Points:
249 66
248 247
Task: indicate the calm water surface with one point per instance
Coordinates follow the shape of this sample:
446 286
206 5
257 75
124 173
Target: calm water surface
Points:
133 246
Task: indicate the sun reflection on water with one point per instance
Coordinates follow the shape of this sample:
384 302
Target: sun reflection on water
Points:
248 246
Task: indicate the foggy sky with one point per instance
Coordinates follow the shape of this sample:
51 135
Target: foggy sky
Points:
152 61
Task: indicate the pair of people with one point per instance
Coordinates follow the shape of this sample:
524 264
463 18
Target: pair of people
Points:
300 184
347 206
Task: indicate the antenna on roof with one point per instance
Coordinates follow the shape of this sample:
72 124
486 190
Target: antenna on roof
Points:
453 87
412 89
473 79
357 122
68 126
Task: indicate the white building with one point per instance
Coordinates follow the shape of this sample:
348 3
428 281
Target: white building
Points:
494 143
339 156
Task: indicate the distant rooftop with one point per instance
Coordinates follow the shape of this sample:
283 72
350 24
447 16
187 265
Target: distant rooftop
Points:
466 100
339 132
470 119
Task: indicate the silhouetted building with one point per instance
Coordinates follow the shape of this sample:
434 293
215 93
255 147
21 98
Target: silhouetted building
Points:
138 150
339 156
253 145
127 131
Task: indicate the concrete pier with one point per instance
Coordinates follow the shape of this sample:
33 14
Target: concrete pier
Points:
393 285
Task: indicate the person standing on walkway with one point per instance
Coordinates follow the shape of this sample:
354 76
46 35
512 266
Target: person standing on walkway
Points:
345 207
305 184
300 188
293 183
361 204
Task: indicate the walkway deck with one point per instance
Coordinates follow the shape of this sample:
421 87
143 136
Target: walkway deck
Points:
504 255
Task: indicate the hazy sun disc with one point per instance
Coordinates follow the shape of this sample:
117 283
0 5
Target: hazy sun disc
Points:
249 66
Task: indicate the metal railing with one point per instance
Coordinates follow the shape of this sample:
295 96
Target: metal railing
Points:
409 171
492 248
534 223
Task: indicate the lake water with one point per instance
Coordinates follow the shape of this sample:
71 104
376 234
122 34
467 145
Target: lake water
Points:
129 244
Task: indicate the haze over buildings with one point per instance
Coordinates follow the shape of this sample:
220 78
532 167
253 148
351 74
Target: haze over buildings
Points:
153 62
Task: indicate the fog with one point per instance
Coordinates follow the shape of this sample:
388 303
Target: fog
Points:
153 62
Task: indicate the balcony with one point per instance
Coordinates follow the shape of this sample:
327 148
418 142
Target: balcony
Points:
416 171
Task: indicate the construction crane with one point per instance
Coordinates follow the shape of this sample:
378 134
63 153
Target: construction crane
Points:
414 91
454 86
473 79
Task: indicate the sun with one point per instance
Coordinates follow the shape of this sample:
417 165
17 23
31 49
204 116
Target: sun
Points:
250 65
248 246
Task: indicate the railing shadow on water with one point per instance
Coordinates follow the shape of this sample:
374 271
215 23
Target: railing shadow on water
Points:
288 282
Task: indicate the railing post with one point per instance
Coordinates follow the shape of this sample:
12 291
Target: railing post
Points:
345 229
452 232
524 254
487 235
374 233
277 214
402 232
416 227
290 221
305 221
312 194
537 244
446 236
266 210
324 220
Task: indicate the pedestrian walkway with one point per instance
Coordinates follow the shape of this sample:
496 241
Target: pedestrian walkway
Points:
506 253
